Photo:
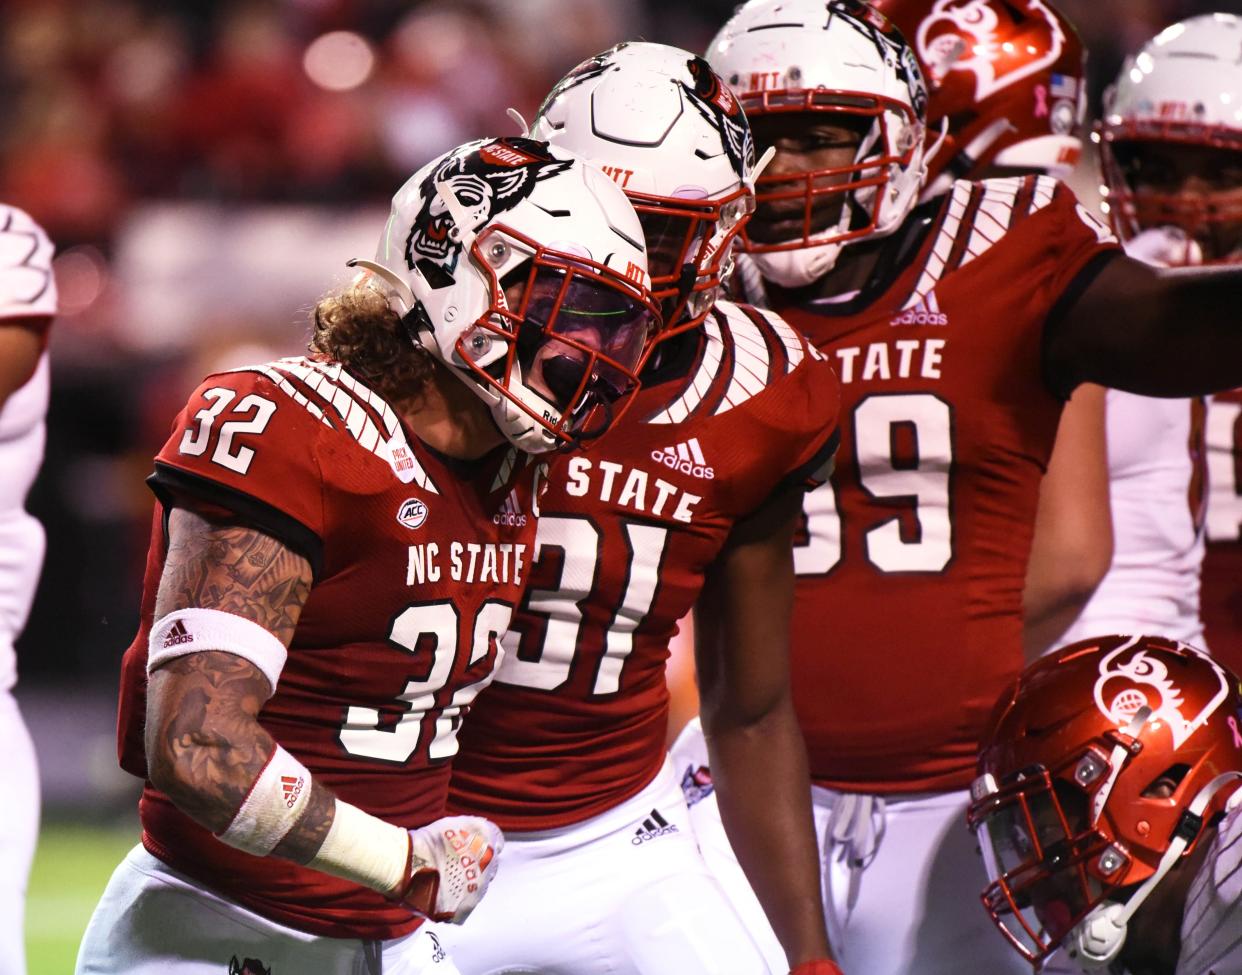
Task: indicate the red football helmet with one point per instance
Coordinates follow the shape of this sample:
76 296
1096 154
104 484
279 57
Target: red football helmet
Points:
1009 78
1099 769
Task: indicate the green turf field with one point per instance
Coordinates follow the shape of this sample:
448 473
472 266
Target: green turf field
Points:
71 867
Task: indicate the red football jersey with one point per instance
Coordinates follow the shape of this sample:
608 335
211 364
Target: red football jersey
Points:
908 612
577 718
1221 592
418 563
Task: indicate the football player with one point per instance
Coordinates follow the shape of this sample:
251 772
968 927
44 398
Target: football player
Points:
1108 809
1006 97
27 306
1171 143
691 501
959 327
338 546
1169 178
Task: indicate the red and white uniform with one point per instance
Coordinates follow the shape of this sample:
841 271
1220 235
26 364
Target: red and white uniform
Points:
566 750
418 563
1157 492
908 617
1213 913
28 297
1222 565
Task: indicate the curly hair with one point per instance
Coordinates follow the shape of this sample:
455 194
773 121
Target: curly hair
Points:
356 327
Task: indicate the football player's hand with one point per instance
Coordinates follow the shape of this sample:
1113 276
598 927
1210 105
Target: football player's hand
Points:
1165 247
451 863
820 966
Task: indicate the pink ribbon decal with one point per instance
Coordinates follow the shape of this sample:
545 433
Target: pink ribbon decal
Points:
1041 101
1237 735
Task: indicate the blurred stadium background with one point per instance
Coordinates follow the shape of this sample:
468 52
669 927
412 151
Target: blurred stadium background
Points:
205 169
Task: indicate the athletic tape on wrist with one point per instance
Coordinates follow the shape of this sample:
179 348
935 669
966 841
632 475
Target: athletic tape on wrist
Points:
273 806
365 849
194 630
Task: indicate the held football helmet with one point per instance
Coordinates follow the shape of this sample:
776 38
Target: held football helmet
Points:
844 59
496 217
1007 78
1100 768
660 122
1183 89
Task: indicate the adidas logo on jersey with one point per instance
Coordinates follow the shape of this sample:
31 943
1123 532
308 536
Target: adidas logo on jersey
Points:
177 635
686 457
653 826
290 788
926 312
510 513
412 513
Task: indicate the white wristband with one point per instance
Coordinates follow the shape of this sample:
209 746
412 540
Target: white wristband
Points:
194 630
272 808
365 849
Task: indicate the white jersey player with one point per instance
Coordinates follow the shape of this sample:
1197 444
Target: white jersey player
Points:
1170 180
1108 810
27 305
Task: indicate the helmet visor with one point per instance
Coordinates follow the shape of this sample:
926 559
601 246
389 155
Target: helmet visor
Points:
1035 845
580 345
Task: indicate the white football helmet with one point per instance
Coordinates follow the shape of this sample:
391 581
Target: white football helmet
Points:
27 285
495 215
1184 87
660 122
839 57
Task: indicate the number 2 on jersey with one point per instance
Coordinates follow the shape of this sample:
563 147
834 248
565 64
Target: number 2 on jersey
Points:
903 443
195 440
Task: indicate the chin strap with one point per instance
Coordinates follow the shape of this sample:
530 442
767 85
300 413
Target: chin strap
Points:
1099 937
964 161
768 155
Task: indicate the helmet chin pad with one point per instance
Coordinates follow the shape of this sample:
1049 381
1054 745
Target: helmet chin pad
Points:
1098 938
797 268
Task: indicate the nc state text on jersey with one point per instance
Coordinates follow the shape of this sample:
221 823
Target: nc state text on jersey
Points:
893 359
637 489
499 563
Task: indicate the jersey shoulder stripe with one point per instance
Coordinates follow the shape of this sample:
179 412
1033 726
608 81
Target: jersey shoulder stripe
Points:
976 217
338 400
746 350
706 372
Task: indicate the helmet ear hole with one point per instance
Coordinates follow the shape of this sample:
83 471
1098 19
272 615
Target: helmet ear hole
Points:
1165 784
434 274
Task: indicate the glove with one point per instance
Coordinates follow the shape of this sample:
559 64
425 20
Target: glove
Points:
820 966
1165 247
451 863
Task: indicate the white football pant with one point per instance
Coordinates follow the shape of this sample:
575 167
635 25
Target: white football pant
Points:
153 920
19 829
901 879
623 893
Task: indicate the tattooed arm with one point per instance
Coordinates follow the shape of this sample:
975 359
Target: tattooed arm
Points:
205 746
